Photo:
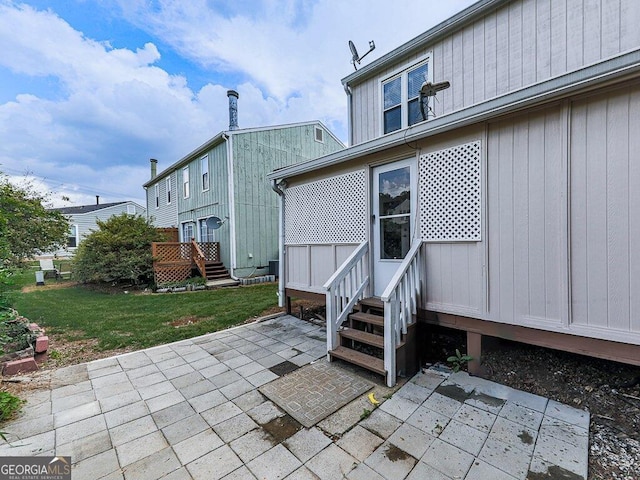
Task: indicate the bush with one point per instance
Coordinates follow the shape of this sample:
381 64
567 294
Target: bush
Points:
118 252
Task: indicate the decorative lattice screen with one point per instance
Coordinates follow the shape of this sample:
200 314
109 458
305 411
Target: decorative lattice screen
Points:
450 194
332 210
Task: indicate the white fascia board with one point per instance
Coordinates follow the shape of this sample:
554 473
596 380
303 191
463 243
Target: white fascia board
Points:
625 64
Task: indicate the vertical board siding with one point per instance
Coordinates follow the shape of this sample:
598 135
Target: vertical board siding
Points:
165 215
605 199
522 43
308 267
255 154
526 188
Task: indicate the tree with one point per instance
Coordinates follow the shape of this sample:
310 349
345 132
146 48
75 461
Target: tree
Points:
27 228
119 251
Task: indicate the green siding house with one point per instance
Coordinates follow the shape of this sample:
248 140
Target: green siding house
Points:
226 178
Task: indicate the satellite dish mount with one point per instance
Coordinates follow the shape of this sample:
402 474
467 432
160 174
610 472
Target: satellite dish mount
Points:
427 90
355 58
214 223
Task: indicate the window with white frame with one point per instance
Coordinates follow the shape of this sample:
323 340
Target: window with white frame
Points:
168 190
157 192
72 238
131 209
187 231
400 96
319 135
185 182
206 234
204 168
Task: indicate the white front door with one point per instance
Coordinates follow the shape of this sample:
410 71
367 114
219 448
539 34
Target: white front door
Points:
394 200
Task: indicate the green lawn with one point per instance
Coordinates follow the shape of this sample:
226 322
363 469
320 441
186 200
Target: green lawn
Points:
137 320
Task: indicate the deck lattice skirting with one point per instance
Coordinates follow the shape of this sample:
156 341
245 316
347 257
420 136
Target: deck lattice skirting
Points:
174 261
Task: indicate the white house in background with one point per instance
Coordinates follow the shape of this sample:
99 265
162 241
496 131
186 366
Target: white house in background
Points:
510 208
82 220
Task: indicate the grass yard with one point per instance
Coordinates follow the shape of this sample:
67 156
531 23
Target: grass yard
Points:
135 320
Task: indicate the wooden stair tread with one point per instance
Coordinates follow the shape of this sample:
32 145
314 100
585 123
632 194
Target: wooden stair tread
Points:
361 359
363 337
373 302
376 320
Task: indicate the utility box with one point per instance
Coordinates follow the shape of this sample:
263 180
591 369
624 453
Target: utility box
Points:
39 277
274 267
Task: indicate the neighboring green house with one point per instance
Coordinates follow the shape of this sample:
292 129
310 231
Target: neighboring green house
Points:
226 178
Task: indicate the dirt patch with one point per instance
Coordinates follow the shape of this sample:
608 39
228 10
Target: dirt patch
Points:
47 286
281 428
188 320
394 454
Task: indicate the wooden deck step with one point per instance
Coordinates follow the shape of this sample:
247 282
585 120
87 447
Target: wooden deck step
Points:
362 337
373 302
376 320
361 359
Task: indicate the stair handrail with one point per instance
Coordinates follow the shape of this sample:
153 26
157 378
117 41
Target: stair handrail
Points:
348 285
198 257
401 299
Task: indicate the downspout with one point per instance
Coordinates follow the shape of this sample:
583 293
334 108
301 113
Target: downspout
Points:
347 90
232 210
281 255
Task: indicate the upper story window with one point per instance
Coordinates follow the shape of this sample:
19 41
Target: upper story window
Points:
131 209
400 97
157 192
319 135
185 182
168 189
204 168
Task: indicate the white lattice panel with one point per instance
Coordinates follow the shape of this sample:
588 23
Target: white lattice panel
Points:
332 210
450 194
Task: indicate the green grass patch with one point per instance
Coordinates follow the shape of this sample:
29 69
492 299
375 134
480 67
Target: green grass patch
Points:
141 320
9 406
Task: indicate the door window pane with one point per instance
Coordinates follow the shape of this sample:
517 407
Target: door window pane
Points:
395 237
395 192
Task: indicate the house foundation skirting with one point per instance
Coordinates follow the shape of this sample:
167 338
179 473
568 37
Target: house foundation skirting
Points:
290 293
476 329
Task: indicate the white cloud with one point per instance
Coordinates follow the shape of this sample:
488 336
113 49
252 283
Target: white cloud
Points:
115 107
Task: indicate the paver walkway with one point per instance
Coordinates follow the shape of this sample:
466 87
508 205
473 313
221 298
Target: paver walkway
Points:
192 409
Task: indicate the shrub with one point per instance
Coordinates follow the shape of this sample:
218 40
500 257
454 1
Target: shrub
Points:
119 251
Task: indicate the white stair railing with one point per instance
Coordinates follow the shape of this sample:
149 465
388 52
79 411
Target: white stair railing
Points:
401 299
348 285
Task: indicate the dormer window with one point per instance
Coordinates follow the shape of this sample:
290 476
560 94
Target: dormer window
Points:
400 96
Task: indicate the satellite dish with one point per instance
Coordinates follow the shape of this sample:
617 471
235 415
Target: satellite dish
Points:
214 223
355 58
429 89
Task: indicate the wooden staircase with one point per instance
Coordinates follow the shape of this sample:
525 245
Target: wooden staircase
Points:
215 271
361 339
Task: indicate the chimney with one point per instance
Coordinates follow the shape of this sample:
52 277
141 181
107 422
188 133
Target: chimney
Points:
97 199
233 109
154 168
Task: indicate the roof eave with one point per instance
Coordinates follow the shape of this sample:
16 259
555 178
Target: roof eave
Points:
626 64
431 36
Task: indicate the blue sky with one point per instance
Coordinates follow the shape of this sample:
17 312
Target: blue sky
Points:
91 89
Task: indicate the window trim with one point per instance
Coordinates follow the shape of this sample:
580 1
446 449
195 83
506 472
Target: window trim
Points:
317 130
193 226
404 96
168 190
186 192
133 207
204 175
157 194
76 236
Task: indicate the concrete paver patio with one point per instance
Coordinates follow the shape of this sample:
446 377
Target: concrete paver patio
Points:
192 410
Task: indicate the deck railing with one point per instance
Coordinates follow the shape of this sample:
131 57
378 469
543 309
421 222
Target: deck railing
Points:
401 299
173 261
348 285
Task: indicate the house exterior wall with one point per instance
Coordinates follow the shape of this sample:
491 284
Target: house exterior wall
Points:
86 223
166 214
519 44
255 154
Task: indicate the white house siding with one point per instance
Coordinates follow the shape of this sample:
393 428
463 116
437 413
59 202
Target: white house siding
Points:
526 216
521 43
165 215
605 214
325 221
